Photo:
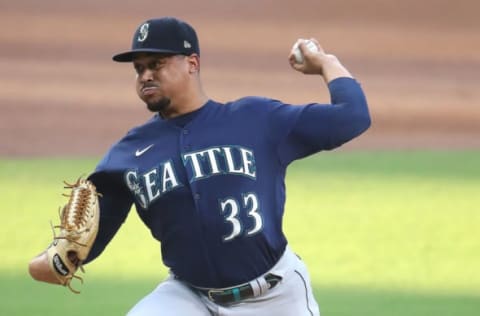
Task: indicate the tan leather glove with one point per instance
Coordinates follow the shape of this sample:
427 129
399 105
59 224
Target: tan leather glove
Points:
79 220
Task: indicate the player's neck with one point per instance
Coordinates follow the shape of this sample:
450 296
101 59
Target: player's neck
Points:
190 98
184 106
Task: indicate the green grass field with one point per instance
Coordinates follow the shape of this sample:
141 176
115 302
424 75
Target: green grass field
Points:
383 233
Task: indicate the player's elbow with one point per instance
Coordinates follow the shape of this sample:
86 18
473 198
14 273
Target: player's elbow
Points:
356 114
349 129
358 125
363 122
359 120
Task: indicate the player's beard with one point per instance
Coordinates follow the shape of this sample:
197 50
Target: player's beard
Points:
159 105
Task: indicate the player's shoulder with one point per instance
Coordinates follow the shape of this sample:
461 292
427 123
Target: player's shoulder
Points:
253 101
253 104
131 138
144 127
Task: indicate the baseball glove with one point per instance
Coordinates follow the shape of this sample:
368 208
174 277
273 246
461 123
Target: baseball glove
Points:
78 229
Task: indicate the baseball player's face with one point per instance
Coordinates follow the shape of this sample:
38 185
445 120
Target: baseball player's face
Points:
161 79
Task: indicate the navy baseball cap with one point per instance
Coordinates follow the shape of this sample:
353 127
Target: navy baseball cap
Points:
163 35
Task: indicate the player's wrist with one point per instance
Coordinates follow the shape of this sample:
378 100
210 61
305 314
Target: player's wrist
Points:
329 61
332 69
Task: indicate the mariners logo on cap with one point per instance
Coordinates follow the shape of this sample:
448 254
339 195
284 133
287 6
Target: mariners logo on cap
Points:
143 33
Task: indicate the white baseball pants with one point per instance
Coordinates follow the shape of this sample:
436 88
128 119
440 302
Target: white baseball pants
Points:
291 297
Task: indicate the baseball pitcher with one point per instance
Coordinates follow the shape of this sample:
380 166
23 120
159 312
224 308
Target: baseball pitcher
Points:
208 180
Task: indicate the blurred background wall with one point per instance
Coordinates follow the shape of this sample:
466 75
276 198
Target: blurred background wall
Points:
418 61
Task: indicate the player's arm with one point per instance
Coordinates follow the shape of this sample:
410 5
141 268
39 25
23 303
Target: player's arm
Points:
326 126
115 205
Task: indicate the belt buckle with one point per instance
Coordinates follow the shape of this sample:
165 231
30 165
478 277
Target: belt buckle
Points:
271 279
233 293
211 292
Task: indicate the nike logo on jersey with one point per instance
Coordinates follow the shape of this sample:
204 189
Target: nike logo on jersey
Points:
139 152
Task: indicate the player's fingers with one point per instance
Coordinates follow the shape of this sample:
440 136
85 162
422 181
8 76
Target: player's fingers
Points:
313 39
291 61
320 48
308 55
300 40
303 47
291 58
307 50
292 51
296 66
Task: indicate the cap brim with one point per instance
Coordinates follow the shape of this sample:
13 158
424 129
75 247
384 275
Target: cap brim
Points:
128 56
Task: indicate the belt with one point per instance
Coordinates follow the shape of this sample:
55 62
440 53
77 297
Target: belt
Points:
237 293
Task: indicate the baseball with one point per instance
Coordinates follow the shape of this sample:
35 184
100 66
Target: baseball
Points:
298 54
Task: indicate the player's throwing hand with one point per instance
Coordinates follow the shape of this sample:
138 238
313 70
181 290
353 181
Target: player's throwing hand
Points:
315 61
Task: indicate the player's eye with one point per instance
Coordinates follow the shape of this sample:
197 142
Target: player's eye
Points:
139 69
155 64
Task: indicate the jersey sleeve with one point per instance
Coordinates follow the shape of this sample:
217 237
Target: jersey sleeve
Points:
115 203
327 126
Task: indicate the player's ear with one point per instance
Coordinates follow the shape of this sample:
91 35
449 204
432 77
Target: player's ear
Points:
193 63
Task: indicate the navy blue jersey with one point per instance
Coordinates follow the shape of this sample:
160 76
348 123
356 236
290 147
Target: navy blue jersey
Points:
210 184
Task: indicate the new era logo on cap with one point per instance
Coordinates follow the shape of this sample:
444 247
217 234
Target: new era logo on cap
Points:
164 35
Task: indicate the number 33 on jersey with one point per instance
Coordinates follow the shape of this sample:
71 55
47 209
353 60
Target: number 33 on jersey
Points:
235 160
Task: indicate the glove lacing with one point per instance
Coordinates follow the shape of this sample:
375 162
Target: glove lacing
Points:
73 217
